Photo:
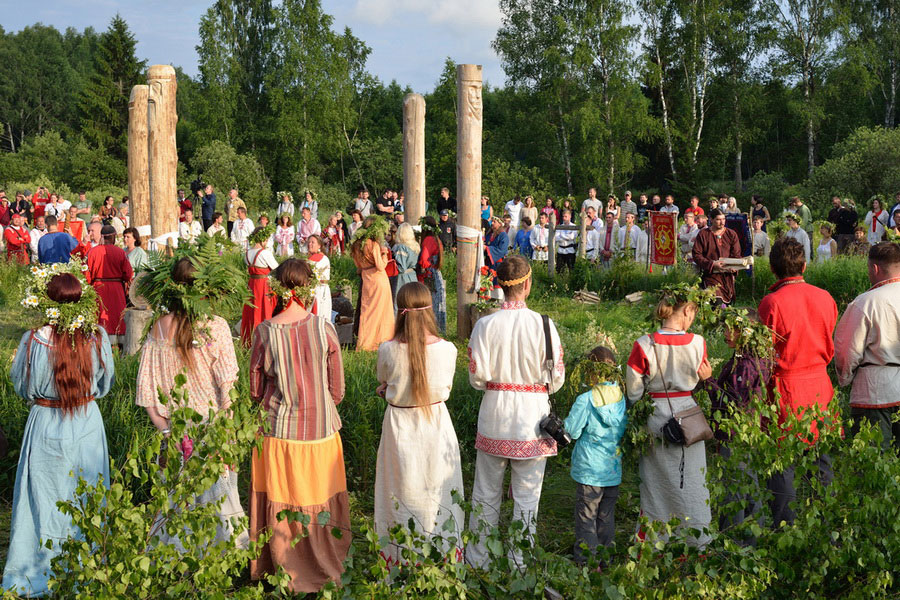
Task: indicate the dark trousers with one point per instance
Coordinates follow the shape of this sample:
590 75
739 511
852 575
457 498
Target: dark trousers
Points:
595 518
229 227
883 419
783 491
565 261
207 223
843 240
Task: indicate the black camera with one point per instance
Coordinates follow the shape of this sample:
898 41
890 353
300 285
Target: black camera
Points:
554 427
197 184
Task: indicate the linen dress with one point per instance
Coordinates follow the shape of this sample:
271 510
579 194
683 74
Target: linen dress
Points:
262 305
297 374
322 265
208 385
418 463
663 497
53 446
284 240
406 259
376 318
875 226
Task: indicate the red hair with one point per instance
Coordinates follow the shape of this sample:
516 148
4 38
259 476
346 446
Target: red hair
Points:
73 369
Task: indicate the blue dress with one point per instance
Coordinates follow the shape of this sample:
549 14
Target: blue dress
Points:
406 259
53 445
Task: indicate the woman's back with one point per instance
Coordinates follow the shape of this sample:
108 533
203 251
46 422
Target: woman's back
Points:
296 371
393 368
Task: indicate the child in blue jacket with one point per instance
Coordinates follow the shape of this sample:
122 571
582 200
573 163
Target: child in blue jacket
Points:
597 421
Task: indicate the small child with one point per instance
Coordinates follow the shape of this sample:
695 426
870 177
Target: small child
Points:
761 244
597 423
523 239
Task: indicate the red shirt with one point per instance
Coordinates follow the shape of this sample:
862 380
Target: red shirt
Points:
39 204
694 211
803 318
17 241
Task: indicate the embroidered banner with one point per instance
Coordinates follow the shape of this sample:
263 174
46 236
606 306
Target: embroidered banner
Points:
663 238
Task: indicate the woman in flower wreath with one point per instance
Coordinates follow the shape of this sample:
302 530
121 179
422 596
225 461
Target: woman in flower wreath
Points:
286 205
184 340
60 368
376 307
297 374
260 263
284 235
668 364
322 267
431 258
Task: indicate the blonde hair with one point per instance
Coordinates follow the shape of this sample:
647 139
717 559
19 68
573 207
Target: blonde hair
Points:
407 237
665 309
415 322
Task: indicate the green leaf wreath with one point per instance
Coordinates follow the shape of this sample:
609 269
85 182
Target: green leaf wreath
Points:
376 231
305 293
703 298
219 287
67 316
261 235
752 338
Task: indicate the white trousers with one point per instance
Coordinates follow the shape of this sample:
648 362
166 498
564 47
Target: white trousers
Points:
526 480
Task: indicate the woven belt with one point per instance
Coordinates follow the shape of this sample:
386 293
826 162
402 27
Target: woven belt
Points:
531 388
415 406
116 279
254 276
55 403
662 395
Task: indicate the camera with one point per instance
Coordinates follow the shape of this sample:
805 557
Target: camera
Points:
197 184
554 427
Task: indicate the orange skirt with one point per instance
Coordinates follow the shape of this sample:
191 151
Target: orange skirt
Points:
309 478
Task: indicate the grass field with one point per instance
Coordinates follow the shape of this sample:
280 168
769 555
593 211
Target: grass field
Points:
580 327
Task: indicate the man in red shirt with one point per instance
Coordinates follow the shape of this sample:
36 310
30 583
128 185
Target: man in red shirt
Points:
802 318
39 201
695 208
110 272
17 241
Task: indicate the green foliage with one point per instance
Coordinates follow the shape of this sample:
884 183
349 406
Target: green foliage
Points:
503 181
769 186
223 167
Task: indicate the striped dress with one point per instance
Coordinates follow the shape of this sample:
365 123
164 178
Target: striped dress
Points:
297 374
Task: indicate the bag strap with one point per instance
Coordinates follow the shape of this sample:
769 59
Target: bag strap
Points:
661 376
548 355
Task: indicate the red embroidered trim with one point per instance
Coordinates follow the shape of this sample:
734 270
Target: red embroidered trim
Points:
471 362
885 282
786 281
516 448
518 304
658 395
531 388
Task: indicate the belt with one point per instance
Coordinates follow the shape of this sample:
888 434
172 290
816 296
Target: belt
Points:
119 279
255 276
415 406
531 388
661 395
55 403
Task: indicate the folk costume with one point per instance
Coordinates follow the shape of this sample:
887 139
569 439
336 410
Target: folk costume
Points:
431 276
632 243
334 238
306 228
540 242
506 360
36 235
418 464
566 246
606 247
803 238
322 266
284 240
867 353
208 386
240 232
709 247
802 318
406 259
875 226
110 272
18 242
376 320
189 232
297 375
673 477
138 258
260 263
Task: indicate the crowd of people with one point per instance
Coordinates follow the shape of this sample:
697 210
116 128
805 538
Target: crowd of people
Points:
515 356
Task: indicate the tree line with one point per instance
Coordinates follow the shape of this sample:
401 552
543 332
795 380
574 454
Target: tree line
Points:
667 95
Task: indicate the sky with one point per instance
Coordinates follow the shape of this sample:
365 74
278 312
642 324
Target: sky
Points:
409 39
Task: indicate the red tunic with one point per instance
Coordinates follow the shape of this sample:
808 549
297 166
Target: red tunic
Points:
110 272
803 318
39 204
428 252
263 301
17 241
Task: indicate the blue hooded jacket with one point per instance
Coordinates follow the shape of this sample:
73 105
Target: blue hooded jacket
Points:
597 421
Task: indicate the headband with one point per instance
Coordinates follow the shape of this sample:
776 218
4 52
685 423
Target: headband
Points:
406 310
513 282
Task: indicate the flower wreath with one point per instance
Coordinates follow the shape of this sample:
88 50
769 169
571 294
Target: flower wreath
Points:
702 298
261 235
377 231
67 316
428 229
302 295
281 196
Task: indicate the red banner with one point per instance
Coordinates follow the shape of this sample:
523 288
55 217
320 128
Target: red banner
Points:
663 238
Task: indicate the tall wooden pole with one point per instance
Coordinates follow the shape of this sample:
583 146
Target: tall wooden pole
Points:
469 115
163 154
138 165
414 157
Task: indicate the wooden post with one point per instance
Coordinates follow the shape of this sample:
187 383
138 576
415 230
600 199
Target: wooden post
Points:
414 157
163 153
582 240
138 165
469 115
551 249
